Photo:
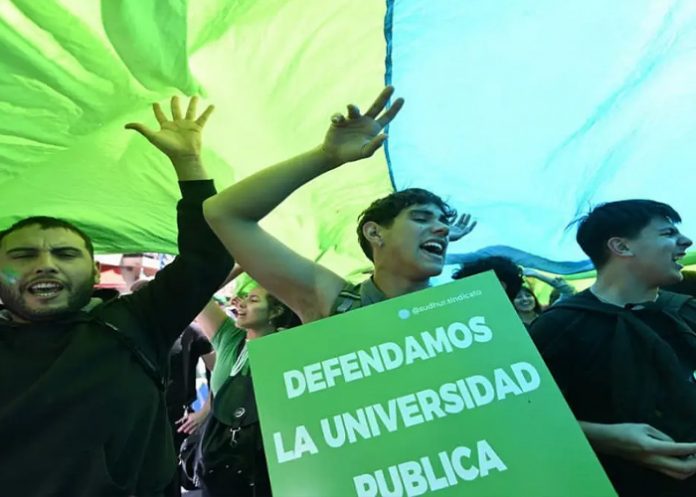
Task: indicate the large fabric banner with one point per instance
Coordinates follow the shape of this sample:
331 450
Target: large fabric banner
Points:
526 114
441 390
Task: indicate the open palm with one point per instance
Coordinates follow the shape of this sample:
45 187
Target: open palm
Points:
358 136
177 137
461 228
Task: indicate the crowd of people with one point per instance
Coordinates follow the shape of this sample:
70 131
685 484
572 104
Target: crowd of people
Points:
89 407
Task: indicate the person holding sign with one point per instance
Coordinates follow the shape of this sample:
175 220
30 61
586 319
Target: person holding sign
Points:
624 352
404 234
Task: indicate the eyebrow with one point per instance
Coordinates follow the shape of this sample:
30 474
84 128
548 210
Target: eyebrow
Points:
426 212
35 249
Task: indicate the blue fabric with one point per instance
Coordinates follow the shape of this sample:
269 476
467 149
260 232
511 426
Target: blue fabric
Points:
527 113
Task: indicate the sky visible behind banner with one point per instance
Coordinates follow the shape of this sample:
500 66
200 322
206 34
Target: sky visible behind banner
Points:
521 113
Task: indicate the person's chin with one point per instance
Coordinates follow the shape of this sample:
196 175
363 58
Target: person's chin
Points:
672 279
432 269
46 313
52 309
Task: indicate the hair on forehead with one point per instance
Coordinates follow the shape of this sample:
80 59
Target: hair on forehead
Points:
45 223
384 210
623 218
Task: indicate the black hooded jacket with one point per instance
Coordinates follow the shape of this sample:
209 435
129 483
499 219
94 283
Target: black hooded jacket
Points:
82 408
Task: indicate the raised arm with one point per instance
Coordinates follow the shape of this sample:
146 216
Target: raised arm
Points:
306 287
210 319
170 302
559 283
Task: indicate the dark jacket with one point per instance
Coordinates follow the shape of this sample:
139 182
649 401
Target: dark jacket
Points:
626 365
80 413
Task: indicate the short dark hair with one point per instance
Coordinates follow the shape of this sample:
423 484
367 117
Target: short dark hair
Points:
505 270
624 218
286 318
383 211
46 222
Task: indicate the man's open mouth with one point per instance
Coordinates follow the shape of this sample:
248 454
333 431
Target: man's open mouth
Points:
434 247
45 289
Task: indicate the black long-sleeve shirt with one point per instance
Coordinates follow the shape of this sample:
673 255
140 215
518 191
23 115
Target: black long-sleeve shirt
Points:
79 414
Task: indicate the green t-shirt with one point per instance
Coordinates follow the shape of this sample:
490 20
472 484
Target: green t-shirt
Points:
226 342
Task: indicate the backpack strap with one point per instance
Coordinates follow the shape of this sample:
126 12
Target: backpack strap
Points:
186 343
145 362
348 299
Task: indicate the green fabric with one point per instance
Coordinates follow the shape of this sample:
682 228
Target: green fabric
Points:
226 343
72 73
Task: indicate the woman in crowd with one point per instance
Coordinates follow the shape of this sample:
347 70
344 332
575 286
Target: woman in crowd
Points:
527 305
233 461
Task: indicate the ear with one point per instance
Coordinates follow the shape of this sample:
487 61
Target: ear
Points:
373 233
275 312
97 272
619 246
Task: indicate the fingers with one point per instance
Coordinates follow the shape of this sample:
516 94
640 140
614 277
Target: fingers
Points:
391 113
673 466
140 128
373 145
463 220
159 115
176 109
353 112
655 433
191 110
338 119
188 427
206 114
672 448
380 102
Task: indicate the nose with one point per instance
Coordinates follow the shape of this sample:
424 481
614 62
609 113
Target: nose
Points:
685 242
45 264
441 229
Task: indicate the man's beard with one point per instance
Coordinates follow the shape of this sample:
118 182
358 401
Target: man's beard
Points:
14 302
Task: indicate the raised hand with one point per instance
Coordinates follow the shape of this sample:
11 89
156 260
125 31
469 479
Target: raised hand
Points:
180 137
462 227
531 272
358 136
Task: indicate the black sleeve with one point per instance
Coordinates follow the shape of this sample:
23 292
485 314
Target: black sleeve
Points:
169 303
201 345
552 338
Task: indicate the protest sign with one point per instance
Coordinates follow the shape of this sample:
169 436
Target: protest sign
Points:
436 391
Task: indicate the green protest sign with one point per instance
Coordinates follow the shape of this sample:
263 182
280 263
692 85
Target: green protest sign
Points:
437 391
